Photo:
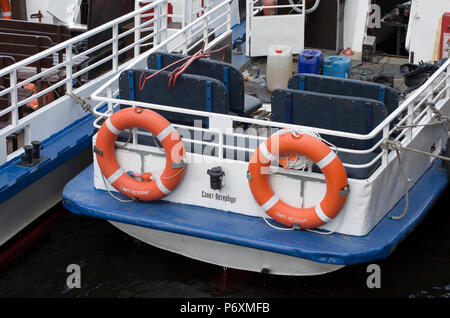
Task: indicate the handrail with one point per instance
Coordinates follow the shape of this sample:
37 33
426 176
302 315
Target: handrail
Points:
431 90
97 94
32 123
78 38
409 100
377 130
384 127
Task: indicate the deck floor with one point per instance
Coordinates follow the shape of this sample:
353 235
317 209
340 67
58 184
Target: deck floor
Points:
382 64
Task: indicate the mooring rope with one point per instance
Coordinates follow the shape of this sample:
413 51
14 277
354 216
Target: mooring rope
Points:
83 102
397 146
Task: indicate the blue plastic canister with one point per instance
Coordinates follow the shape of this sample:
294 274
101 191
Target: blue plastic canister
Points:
309 61
336 66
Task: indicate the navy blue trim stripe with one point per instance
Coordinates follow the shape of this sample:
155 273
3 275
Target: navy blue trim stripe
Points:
382 94
302 83
158 62
226 81
288 108
208 99
131 84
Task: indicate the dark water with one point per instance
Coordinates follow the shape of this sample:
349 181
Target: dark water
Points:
116 265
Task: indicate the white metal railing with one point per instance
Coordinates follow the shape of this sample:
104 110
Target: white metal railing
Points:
120 47
220 13
185 12
414 110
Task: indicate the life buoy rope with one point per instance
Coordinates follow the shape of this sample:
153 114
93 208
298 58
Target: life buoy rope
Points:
322 156
6 9
171 141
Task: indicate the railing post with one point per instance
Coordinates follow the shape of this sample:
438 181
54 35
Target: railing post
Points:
156 23
229 16
221 136
27 135
185 40
115 47
205 31
430 91
109 94
14 100
409 121
187 12
249 17
3 150
448 81
385 156
165 18
188 9
221 124
163 31
135 136
137 31
69 86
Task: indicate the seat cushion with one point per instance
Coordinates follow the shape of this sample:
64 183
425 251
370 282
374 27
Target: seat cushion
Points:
251 104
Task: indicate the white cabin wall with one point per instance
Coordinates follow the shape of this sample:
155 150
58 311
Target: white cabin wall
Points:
178 8
355 21
235 19
61 9
33 6
423 26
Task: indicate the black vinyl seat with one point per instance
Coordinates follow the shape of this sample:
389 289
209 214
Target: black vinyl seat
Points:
334 112
240 103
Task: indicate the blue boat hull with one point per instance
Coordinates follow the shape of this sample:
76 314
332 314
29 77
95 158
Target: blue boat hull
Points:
27 193
80 197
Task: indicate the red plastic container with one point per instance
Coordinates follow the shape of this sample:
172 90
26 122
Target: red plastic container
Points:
445 37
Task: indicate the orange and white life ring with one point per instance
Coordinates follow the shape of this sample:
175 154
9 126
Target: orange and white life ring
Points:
163 131
6 9
317 151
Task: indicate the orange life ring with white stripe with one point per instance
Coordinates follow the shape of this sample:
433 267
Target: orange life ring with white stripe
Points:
6 9
322 155
163 131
